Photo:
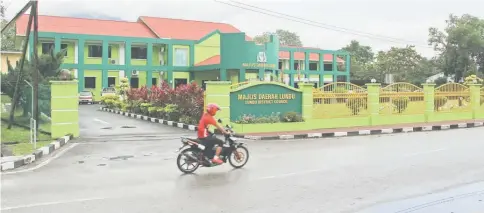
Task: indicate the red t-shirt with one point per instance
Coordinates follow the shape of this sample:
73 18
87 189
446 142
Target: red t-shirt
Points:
205 121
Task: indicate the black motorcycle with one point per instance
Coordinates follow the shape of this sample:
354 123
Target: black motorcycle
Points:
191 153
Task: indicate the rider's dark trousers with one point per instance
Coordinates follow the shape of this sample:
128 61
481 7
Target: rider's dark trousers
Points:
209 143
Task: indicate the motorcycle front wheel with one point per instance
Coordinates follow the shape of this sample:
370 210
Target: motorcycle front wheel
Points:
184 162
239 157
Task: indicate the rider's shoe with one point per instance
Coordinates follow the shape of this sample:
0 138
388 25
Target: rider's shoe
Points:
217 161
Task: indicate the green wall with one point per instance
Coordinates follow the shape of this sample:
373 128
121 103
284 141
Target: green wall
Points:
207 48
98 75
70 58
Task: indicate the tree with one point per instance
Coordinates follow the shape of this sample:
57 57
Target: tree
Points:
401 62
362 58
460 45
8 37
286 38
49 68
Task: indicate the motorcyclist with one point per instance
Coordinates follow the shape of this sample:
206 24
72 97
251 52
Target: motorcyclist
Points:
203 135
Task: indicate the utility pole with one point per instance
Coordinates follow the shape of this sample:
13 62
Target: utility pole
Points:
34 11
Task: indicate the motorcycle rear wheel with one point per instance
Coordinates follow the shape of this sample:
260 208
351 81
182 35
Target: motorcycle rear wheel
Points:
183 160
245 157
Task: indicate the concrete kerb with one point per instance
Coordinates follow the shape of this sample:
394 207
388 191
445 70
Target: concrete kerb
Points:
37 154
310 135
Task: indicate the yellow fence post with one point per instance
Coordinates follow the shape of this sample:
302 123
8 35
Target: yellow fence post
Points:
307 100
218 92
373 100
475 90
429 98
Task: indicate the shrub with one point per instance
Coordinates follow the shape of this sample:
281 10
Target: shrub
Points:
109 100
171 112
252 119
439 101
400 103
144 108
356 104
292 117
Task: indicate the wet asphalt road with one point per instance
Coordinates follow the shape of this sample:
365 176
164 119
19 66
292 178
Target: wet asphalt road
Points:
114 169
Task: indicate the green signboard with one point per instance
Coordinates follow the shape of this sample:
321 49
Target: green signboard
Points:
263 100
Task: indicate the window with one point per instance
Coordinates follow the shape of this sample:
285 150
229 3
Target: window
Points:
296 85
315 85
280 65
204 84
46 47
90 82
96 51
154 82
296 66
139 52
134 83
111 81
313 66
328 67
181 57
180 81
341 78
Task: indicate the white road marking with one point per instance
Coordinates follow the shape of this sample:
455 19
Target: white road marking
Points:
427 152
52 203
101 121
45 162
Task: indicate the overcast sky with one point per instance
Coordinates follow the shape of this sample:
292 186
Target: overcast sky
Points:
407 20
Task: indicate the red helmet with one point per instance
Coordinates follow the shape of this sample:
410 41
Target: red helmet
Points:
212 109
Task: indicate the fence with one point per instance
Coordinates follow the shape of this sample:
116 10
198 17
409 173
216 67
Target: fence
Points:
345 100
401 98
340 99
452 97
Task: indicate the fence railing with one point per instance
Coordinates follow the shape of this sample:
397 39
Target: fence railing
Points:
401 98
340 99
452 97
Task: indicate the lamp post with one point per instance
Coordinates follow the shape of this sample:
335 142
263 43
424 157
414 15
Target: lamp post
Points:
33 122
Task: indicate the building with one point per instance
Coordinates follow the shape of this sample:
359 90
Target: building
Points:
151 50
12 56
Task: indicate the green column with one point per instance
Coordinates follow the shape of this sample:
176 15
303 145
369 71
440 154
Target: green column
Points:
291 80
261 74
64 108
348 65
105 61
335 64
373 102
219 92
429 97
80 61
306 64
321 69
57 44
242 75
307 100
223 75
475 90
127 61
149 63
192 55
31 46
169 71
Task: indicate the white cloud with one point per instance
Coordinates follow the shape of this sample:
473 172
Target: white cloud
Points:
405 19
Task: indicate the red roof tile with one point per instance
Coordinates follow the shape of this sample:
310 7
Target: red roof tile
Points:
185 29
312 56
86 26
210 61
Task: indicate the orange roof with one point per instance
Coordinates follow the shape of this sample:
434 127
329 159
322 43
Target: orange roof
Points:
86 26
312 56
210 61
185 29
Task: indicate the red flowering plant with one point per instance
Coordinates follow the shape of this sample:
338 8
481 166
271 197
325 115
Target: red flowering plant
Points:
189 99
136 97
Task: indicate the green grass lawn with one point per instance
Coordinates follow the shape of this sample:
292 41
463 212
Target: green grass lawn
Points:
21 135
5 99
25 120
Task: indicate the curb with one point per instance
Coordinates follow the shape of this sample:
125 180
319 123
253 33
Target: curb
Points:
153 120
310 135
37 154
369 132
